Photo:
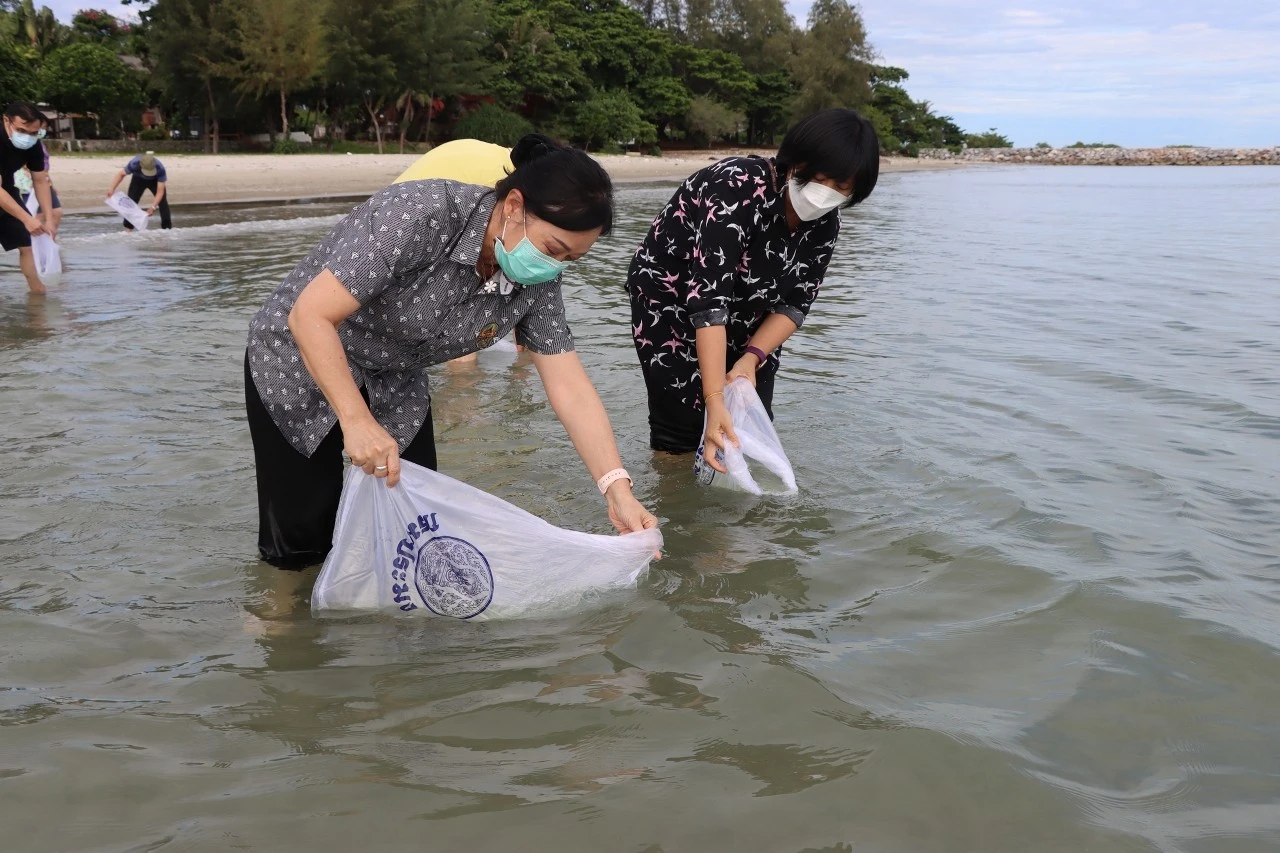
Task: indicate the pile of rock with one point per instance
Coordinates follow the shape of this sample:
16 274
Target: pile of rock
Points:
1113 156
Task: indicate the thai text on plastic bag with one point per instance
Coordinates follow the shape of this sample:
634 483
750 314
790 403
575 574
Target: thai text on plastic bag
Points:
758 441
432 545
44 250
127 208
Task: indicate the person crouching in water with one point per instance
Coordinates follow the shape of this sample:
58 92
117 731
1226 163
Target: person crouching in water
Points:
421 273
730 267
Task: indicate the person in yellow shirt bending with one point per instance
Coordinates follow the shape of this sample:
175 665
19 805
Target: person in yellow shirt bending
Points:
468 161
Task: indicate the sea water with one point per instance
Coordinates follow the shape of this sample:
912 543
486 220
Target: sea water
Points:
1028 598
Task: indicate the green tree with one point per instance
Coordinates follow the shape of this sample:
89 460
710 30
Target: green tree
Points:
832 63
716 73
448 37
532 69
280 49
758 32
662 100
90 78
991 139
491 123
554 54
17 76
769 110
192 43
38 29
709 120
99 27
609 118
364 47
905 125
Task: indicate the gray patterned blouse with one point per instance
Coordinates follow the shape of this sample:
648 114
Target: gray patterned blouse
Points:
408 255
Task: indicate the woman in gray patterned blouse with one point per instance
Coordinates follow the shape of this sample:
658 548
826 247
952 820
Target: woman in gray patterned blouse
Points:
423 272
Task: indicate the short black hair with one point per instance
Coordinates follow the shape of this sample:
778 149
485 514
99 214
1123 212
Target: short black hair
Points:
839 144
24 110
561 185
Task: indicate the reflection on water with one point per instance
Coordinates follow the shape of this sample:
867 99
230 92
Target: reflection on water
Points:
1025 600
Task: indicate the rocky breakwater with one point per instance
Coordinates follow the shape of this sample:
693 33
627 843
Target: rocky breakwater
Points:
1111 156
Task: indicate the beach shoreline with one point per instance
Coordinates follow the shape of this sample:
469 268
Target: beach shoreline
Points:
82 182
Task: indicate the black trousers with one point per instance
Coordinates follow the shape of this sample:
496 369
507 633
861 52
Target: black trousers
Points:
140 184
298 495
675 427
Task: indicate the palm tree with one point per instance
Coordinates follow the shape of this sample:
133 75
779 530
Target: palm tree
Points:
40 29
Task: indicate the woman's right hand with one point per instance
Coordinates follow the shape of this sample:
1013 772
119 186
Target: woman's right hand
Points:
372 448
719 431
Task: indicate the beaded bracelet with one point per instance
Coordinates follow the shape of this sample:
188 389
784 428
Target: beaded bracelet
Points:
612 477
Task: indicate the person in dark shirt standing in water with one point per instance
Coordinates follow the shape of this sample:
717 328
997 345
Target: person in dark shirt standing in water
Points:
54 220
147 174
730 267
19 148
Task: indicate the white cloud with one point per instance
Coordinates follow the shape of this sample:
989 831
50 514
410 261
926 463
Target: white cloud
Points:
1030 18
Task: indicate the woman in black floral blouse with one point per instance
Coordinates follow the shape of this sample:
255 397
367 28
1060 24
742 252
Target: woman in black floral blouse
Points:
730 267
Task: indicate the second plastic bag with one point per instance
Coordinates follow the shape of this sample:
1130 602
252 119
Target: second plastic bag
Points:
759 441
435 546
44 250
127 208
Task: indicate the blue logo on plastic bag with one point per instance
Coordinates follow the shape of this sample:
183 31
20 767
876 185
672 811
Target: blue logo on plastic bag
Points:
453 577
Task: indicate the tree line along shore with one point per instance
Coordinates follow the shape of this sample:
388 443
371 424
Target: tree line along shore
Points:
644 75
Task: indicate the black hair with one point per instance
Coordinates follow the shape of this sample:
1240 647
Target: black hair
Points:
561 185
839 144
24 110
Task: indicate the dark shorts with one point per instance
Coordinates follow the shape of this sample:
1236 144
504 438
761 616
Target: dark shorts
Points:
53 194
13 234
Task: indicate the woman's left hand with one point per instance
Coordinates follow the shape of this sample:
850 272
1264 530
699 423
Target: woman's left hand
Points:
627 513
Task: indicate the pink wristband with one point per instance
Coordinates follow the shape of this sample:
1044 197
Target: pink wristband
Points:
612 477
758 353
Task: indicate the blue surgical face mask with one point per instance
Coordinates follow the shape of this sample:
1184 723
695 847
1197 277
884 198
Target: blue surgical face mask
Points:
41 134
23 140
526 264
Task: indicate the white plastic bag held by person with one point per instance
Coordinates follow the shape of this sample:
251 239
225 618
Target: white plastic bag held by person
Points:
435 546
758 440
45 251
128 209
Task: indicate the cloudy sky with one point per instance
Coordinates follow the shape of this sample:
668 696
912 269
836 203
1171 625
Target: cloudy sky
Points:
1132 72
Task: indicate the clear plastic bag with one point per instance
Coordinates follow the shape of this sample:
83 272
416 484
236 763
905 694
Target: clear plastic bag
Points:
127 208
759 441
434 546
47 256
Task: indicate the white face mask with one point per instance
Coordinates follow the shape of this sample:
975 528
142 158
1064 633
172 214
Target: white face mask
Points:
813 200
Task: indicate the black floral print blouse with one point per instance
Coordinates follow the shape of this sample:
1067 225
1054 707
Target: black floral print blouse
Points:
721 254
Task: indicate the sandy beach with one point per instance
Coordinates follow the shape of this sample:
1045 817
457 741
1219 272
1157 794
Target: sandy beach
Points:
82 181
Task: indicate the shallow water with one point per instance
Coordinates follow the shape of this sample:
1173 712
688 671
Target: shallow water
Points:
1027 599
